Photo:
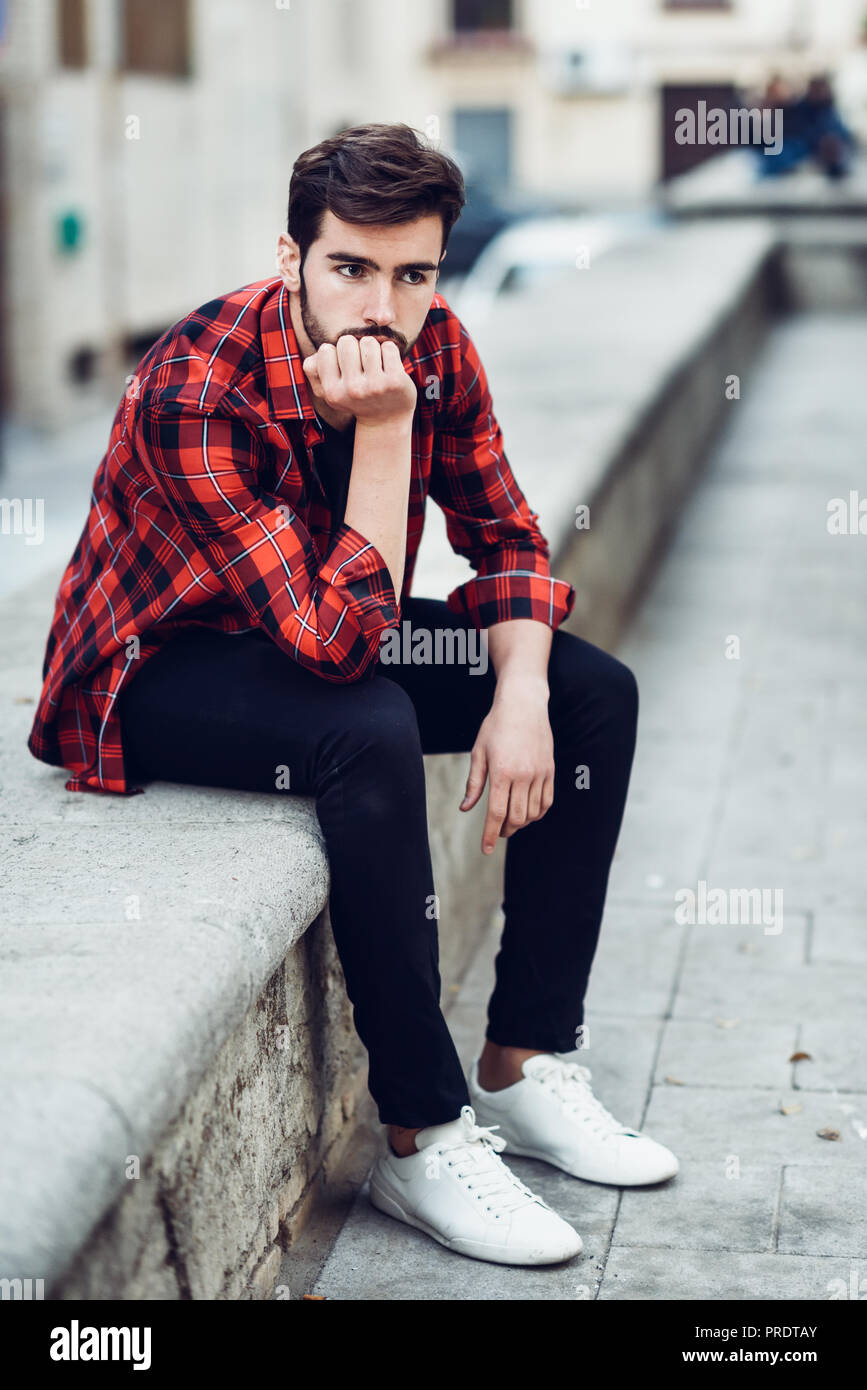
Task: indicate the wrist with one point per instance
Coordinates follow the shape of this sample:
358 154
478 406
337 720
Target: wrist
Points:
528 685
393 426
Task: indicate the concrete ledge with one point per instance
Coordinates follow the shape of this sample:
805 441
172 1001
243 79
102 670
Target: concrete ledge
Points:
170 989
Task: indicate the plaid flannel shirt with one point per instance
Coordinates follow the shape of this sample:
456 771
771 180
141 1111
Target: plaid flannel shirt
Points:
206 510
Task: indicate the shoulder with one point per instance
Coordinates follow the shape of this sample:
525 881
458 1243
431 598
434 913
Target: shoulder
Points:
197 360
445 351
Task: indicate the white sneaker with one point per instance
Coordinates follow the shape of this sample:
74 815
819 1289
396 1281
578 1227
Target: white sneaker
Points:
553 1115
457 1189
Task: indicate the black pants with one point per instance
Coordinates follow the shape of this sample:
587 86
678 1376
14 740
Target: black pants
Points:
232 711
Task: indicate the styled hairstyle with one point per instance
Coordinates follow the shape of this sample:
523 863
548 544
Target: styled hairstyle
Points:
372 174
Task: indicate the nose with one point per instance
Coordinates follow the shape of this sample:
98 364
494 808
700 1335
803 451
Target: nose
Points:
379 311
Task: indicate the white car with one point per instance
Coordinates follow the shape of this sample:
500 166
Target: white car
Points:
541 249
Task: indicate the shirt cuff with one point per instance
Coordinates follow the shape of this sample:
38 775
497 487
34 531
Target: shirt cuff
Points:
498 598
357 571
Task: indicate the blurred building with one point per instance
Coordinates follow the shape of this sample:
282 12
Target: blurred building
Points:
147 144
146 151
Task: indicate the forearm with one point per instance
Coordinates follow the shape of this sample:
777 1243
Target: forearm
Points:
519 650
378 496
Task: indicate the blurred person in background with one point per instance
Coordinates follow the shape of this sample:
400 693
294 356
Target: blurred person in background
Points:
813 129
252 539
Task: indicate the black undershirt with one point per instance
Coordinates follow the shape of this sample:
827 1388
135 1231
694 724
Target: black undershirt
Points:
332 459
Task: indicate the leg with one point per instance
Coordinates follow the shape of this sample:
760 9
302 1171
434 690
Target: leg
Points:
555 884
229 710
556 868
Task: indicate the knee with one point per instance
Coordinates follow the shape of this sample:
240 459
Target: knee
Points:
378 744
619 690
591 680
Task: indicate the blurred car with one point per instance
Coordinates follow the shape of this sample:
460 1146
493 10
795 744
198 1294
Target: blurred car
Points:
537 250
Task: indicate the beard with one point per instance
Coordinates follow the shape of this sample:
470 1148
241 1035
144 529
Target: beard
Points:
317 334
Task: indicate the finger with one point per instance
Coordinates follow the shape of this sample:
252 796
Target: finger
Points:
329 370
534 799
371 356
498 801
548 793
391 358
475 780
311 369
517 813
349 360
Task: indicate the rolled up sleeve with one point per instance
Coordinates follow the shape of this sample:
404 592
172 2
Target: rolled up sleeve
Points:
488 519
327 614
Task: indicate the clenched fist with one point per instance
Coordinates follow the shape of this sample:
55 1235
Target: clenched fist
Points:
366 378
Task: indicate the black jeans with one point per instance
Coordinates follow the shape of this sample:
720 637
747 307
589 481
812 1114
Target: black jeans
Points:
231 711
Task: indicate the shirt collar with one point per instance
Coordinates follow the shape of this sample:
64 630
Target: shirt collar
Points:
288 391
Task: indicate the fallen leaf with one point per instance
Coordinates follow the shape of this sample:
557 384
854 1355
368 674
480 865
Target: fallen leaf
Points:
23 700
828 1133
791 1109
800 1057
674 1081
313 1298
726 1022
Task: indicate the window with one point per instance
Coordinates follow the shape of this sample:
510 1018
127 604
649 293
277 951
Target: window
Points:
71 44
469 16
483 136
155 37
82 365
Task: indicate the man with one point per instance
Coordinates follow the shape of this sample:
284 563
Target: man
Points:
221 621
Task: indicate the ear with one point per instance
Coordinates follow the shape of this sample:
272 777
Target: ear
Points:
288 261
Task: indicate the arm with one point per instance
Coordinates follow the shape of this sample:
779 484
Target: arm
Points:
488 519
515 598
371 383
327 615
514 746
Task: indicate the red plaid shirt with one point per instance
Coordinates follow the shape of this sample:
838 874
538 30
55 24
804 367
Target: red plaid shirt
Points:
206 510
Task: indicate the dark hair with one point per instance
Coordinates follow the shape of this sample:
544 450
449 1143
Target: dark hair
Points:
372 174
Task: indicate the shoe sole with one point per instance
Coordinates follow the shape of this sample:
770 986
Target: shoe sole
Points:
385 1201
519 1152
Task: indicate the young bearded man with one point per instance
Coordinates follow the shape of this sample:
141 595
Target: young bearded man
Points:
252 537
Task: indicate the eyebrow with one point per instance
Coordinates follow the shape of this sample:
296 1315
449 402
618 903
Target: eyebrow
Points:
366 260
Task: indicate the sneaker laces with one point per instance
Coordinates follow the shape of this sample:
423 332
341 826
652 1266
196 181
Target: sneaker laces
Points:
476 1155
570 1083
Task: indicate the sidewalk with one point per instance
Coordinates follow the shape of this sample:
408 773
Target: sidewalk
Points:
749 775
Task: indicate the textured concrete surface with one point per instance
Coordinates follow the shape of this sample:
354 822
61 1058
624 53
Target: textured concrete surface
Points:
144 938
749 774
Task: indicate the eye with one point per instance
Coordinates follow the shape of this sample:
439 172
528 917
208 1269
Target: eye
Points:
352 265
419 273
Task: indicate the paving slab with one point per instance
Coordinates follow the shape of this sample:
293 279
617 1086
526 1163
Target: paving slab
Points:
725 1206
715 1276
702 1122
823 1212
727 1052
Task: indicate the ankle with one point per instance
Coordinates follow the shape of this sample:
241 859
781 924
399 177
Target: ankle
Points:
401 1141
500 1067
